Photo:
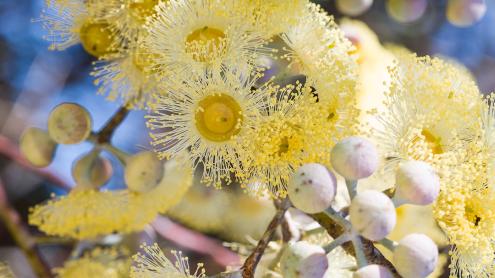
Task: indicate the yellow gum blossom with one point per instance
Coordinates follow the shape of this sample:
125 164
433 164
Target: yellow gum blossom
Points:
97 263
152 262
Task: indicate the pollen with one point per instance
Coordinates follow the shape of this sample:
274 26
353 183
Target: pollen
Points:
141 9
433 142
96 38
218 117
206 44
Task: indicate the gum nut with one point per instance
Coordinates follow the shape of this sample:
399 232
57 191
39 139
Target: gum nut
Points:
354 158
303 260
372 214
92 170
37 147
143 171
69 123
373 271
353 7
463 13
312 188
416 256
406 10
416 183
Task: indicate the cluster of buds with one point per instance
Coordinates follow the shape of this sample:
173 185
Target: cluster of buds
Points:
70 124
371 214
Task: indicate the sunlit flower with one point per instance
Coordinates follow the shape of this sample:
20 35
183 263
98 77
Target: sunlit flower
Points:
126 78
153 263
467 217
206 114
271 17
432 109
189 36
97 263
317 49
77 21
291 132
466 205
128 17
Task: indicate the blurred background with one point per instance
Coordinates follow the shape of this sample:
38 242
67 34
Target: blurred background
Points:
33 80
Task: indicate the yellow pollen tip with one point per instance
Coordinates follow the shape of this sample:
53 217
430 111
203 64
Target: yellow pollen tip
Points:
96 38
206 44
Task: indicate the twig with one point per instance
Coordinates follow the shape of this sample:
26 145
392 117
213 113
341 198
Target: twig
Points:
21 236
194 241
373 255
106 132
252 261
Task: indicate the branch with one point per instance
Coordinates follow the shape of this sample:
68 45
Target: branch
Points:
249 267
373 255
21 236
106 132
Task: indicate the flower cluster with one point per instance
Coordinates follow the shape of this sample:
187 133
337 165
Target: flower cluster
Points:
265 95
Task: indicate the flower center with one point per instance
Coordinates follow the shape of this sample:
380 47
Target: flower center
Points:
206 44
218 117
434 143
471 216
141 9
96 38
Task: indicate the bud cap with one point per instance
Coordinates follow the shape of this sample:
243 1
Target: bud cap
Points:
372 271
416 183
312 188
303 260
416 256
354 158
372 214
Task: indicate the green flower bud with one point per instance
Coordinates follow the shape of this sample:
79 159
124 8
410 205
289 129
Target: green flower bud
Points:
91 170
143 171
37 147
69 123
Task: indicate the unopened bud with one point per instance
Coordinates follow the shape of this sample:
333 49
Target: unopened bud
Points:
69 123
143 171
303 260
373 271
416 183
416 256
37 146
353 7
463 13
312 188
354 158
372 214
92 170
406 10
